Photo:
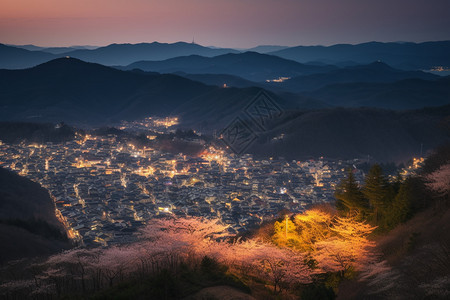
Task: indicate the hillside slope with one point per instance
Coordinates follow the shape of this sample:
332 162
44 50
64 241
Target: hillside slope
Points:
349 133
28 225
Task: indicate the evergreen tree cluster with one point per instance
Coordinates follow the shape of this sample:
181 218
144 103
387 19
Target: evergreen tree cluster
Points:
388 203
381 202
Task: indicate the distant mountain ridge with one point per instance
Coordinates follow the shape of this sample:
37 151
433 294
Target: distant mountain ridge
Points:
125 54
248 65
12 57
409 56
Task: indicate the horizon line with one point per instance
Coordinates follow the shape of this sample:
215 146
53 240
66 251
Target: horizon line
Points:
212 46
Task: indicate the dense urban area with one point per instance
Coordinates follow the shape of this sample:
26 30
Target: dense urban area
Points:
105 190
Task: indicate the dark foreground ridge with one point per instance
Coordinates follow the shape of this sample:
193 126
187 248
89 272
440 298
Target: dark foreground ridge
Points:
28 225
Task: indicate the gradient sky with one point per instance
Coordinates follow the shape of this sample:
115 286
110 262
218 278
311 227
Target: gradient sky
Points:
222 23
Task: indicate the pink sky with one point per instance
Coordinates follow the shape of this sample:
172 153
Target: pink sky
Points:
224 23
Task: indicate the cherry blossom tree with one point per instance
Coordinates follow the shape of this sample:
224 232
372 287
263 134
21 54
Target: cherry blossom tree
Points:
314 226
191 238
280 266
348 249
163 244
439 180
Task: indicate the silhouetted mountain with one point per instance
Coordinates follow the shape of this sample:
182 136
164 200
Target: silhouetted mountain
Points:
28 225
404 94
249 65
374 72
125 54
410 56
349 133
71 90
17 58
80 93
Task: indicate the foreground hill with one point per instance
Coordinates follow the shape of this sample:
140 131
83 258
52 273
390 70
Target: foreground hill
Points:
410 56
28 225
249 65
362 132
415 255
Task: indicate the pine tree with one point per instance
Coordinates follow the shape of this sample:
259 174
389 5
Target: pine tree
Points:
401 208
349 198
376 190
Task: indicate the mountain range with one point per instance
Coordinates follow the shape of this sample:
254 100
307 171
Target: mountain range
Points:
248 65
409 56
115 54
125 54
70 90
372 85
88 94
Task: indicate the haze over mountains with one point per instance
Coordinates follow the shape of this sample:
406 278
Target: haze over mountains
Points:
114 54
409 56
208 87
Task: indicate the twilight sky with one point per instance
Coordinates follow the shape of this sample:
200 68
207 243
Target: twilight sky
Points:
222 23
